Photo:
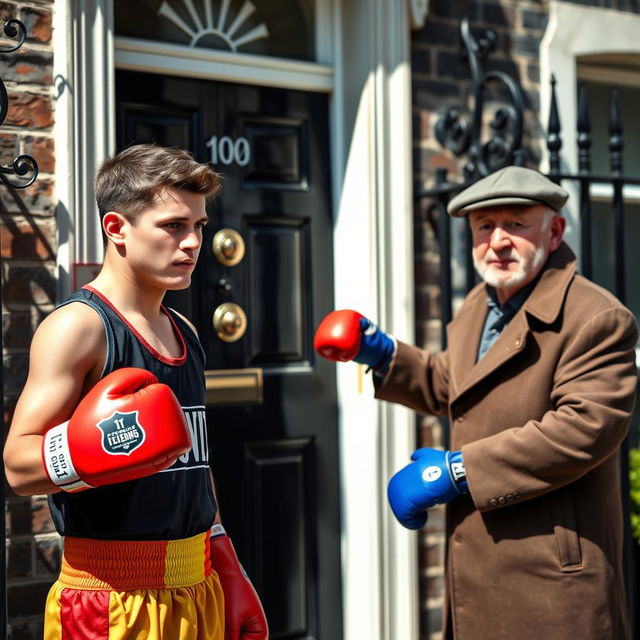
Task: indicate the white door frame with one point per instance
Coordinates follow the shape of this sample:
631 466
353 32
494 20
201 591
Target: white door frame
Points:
364 49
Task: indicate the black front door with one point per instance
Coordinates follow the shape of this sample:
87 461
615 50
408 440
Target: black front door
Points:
263 282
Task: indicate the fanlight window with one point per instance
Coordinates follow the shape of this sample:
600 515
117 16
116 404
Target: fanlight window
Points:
282 28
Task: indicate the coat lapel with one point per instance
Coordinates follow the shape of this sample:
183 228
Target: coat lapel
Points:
544 303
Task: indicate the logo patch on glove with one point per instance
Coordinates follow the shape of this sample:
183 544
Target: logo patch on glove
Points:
121 433
431 474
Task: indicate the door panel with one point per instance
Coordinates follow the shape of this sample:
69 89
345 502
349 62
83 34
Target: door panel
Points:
274 446
279 292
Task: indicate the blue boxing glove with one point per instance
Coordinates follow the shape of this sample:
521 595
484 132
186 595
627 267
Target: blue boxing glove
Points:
434 477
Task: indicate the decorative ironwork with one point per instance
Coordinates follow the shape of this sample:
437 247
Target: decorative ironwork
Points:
23 166
461 136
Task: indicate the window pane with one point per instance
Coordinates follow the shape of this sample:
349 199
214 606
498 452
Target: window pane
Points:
282 28
603 250
604 266
599 100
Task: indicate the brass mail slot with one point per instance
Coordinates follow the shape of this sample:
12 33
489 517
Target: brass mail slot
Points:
233 386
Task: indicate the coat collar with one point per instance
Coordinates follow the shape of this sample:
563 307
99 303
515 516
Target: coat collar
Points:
544 303
546 300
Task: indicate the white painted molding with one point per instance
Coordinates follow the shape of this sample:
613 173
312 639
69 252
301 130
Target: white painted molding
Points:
574 30
374 273
146 55
85 129
418 10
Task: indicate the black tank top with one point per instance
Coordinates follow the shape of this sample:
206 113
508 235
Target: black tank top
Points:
169 505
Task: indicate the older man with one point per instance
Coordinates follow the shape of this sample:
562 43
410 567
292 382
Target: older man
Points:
538 382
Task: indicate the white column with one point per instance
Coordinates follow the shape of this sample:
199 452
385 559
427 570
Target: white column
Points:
85 125
374 274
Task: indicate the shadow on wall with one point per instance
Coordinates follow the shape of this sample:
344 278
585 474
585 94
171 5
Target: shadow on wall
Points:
28 254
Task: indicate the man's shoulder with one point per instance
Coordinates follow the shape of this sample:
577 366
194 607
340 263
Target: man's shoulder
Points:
72 319
591 298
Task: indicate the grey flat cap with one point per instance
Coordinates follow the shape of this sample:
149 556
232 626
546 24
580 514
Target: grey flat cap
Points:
509 186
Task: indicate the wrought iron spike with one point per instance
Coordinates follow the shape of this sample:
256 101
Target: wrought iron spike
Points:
554 140
584 131
616 143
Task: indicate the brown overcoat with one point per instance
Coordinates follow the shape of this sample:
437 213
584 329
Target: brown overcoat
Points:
535 550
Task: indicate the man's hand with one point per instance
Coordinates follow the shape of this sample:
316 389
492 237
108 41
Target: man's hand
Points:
128 426
244 617
434 477
347 335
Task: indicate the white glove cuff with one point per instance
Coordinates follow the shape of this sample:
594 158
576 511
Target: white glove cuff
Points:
217 530
57 460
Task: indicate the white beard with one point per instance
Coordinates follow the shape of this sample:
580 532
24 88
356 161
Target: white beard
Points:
499 279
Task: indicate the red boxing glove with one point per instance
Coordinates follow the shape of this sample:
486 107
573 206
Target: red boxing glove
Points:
243 613
128 426
338 336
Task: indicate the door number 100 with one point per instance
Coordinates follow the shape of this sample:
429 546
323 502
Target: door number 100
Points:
226 150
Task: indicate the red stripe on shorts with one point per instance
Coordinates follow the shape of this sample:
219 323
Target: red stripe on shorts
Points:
84 615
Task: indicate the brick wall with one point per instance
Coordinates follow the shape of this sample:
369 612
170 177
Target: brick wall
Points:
441 79
28 252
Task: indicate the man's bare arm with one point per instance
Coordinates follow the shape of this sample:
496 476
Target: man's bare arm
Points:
66 358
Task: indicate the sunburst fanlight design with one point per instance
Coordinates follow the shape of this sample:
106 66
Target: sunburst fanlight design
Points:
221 29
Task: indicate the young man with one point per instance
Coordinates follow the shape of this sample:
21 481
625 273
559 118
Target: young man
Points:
538 382
105 424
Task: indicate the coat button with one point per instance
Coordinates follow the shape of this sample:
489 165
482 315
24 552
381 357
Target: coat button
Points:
518 343
460 418
509 497
501 500
493 502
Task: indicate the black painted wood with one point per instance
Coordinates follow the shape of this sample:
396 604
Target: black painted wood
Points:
276 463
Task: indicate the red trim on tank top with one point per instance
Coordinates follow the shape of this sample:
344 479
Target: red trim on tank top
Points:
167 360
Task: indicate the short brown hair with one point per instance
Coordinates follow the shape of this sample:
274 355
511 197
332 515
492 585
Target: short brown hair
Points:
131 180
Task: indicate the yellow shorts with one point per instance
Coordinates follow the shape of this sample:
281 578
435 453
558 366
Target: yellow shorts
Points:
135 590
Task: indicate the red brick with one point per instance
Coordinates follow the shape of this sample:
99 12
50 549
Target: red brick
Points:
38 24
14 368
19 515
48 554
7 11
42 149
17 329
24 239
27 67
29 110
41 521
29 285
9 408
38 198
8 148
24 631
27 599
19 559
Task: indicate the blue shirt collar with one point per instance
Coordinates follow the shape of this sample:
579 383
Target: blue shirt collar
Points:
513 304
